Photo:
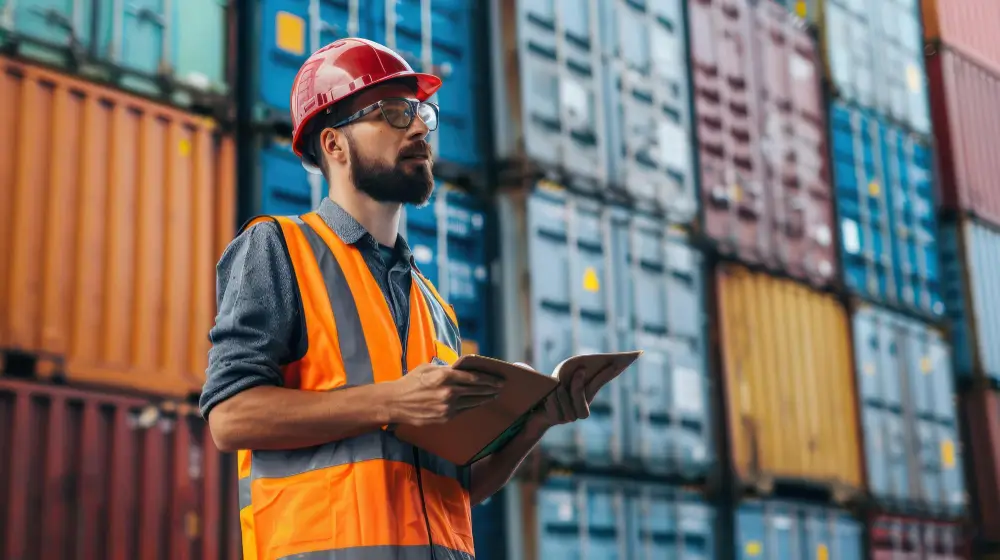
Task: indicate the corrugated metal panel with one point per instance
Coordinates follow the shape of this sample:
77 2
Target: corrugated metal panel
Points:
603 519
550 106
874 54
438 36
767 530
967 131
969 25
764 173
789 388
908 417
981 408
277 184
599 279
432 35
894 537
971 261
91 475
883 179
103 195
184 41
647 95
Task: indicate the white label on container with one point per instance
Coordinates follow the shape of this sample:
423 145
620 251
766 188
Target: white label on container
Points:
574 100
679 258
801 68
675 152
781 522
698 453
422 254
851 235
565 511
687 389
822 235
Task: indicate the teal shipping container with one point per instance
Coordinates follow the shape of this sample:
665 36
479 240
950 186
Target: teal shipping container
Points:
178 49
908 414
607 519
776 530
580 277
970 257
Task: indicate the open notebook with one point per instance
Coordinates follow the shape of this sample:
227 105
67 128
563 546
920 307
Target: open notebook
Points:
480 431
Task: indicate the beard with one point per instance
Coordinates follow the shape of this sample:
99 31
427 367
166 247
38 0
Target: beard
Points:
400 183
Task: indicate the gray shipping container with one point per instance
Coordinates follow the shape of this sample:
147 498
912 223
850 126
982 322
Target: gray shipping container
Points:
579 277
597 92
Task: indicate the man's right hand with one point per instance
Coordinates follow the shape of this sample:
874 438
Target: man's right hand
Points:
434 394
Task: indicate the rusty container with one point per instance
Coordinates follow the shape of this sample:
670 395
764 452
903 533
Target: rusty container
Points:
967 25
789 388
892 537
981 408
966 115
113 213
761 137
85 474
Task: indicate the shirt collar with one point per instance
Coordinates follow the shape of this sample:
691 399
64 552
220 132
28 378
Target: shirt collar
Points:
350 231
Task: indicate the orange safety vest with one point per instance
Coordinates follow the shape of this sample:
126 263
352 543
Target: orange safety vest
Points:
371 496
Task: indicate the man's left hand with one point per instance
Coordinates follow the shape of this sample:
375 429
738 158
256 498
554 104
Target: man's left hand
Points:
568 403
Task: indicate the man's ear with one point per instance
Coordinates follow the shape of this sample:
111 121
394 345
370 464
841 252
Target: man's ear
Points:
334 144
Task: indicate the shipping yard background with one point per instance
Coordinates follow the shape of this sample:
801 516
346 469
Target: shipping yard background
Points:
793 208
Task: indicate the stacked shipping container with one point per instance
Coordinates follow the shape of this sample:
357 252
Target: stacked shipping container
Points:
963 62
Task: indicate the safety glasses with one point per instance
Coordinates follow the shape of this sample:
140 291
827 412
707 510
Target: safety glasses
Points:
399 113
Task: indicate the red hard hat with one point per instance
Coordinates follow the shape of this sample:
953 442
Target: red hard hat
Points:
342 68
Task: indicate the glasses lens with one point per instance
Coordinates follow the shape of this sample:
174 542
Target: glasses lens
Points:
397 112
429 114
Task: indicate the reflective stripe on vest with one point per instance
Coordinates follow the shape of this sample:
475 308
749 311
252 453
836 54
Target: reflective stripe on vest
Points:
358 497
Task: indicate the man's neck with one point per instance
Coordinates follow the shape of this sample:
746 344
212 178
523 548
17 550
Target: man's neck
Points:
380 219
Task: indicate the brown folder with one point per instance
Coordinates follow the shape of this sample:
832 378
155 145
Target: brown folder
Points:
478 432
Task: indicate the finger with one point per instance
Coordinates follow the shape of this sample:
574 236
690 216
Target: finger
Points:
565 403
578 394
472 401
459 377
475 390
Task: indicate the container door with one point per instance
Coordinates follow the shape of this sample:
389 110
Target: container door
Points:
58 24
560 523
134 34
606 538
696 527
291 30
199 42
285 187
849 49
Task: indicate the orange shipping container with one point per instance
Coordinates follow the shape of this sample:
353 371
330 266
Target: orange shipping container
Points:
113 213
787 374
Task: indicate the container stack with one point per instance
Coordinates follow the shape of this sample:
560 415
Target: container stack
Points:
116 199
963 64
596 205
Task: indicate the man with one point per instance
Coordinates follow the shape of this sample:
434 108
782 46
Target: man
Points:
327 336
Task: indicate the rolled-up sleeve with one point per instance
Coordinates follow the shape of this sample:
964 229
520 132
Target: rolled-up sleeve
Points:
258 325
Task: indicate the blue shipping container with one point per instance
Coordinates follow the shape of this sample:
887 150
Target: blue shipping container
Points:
885 202
185 41
789 531
875 54
600 91
602 279
604 519
453 256
912 446
440 42
970 257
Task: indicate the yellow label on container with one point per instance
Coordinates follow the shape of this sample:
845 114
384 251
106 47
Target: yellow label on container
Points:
590 281
736 193
913 77
800 9
948 454
549 185
184 148
290 34
874 189
753 548
822 553
469 347
925 364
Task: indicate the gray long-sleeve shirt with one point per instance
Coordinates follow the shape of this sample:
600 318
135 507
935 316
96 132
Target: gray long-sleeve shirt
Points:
260 324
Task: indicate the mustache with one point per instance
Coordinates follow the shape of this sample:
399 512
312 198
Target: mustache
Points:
418 149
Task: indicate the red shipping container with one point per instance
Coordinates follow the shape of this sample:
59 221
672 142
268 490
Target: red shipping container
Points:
92 475
895 538
762 137
968 25
965 109
981 409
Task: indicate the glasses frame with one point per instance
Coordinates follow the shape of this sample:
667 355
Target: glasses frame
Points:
413 113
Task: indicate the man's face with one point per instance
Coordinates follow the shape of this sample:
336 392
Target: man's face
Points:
387 163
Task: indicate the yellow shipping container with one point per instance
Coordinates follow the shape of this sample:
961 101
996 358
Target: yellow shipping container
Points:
791 409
